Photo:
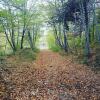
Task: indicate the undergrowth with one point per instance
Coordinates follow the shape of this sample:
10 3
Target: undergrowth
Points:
52 43
25 54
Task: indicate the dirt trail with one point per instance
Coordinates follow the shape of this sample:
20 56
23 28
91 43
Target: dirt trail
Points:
52 77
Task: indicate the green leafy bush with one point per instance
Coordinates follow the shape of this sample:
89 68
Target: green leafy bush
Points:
52 44
26 54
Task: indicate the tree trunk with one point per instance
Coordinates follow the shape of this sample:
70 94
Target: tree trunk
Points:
87 34
30 40
13 40
22 39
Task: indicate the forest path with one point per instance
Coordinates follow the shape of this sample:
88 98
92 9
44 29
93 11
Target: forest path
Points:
53 77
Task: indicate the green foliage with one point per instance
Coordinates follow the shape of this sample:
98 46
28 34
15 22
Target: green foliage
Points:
52 44
26 55
2 53
98 16
76 41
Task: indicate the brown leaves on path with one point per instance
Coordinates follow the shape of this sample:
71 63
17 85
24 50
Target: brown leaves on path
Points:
52 77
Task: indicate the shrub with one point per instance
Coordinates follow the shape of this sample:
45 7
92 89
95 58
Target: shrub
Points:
25 54
52 44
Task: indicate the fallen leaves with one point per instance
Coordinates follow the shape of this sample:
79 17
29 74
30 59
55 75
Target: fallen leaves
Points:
51 77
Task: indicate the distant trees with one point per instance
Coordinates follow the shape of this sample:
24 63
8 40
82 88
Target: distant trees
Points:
8 25
19 20
57 21
78 13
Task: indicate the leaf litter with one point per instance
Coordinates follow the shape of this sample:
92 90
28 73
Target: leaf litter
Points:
50 77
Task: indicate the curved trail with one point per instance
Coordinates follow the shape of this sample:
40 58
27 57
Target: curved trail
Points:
54 77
